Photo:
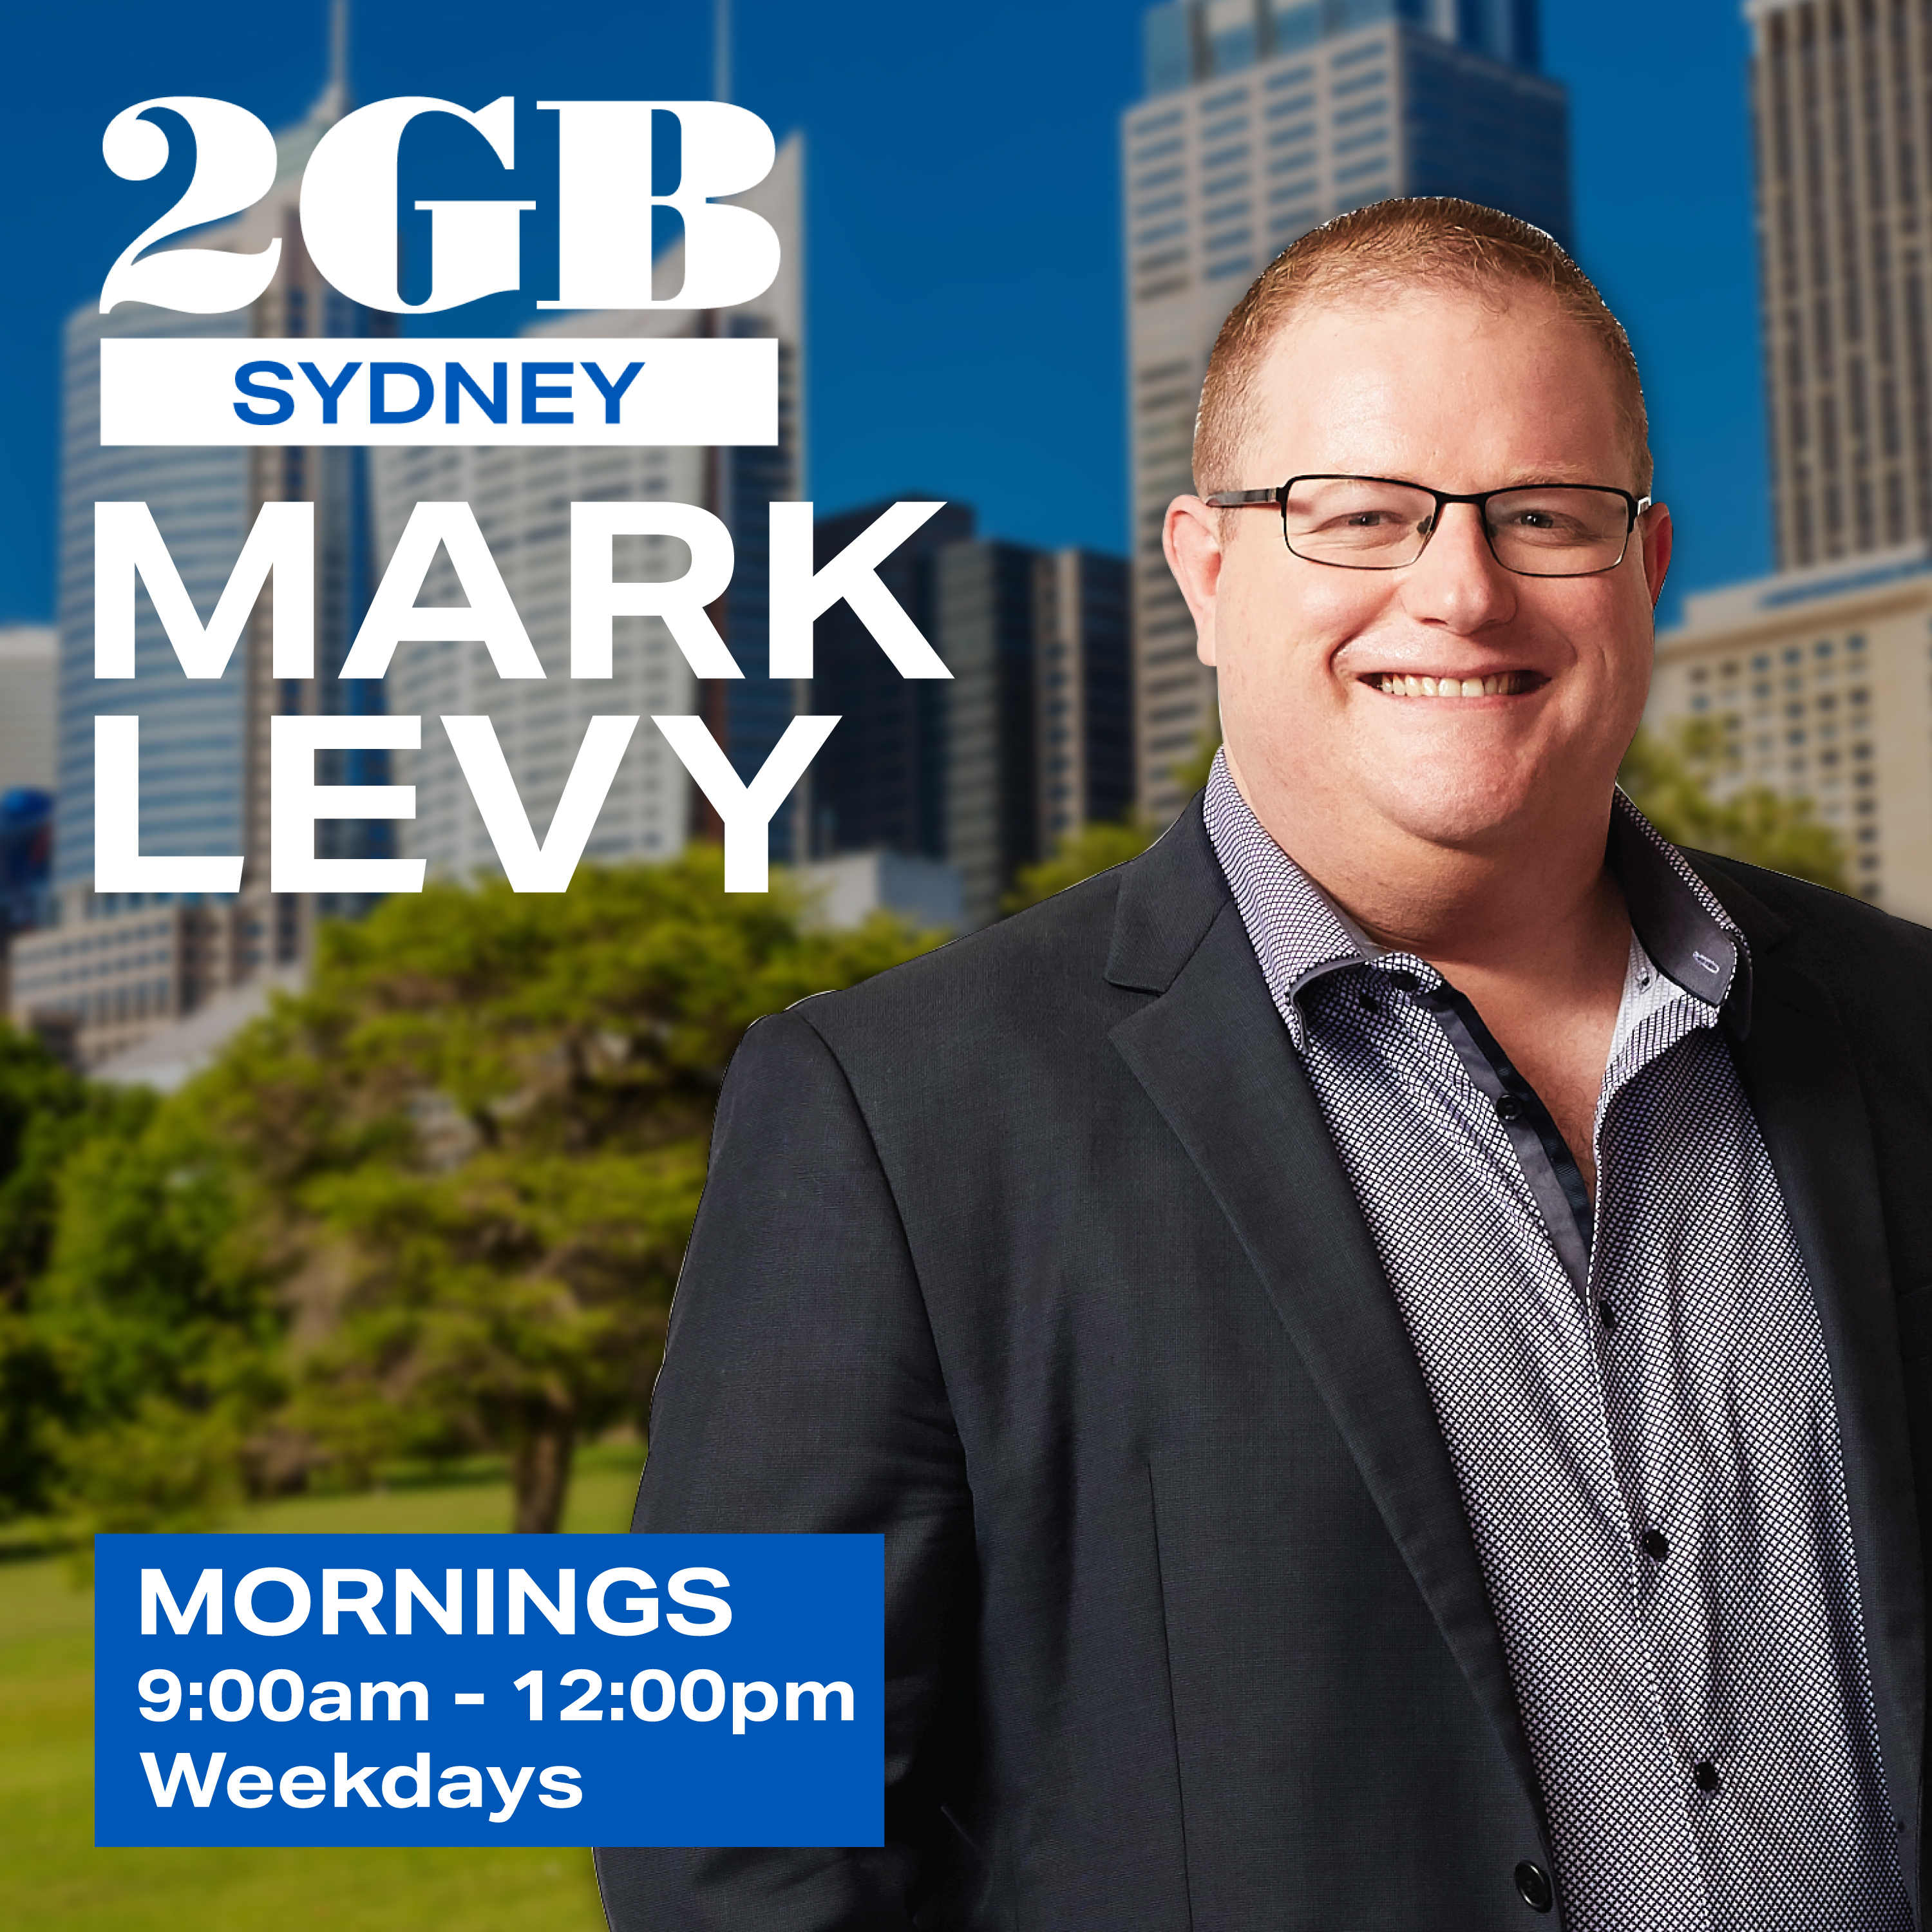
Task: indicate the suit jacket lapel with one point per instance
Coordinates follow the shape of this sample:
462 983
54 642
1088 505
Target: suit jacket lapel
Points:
1213 1056
1798 1067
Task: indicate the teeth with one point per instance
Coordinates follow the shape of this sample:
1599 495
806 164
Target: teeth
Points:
1497 684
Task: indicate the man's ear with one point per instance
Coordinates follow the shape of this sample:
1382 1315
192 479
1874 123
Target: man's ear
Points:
1656 533
1191 539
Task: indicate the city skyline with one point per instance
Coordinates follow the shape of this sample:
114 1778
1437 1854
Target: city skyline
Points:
922 376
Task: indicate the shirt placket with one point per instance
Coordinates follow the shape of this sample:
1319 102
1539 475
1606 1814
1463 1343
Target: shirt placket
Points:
1658 1480
1490 1085
1684 1768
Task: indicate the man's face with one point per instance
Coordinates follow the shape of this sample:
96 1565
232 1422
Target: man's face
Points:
1462 393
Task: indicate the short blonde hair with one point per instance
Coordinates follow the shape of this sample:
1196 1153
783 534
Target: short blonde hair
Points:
1382 251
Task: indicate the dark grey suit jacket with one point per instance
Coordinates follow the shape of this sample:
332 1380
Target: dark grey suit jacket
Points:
1036 1256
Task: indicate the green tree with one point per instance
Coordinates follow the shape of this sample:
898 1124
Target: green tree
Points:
161 1320
475 1146
45 1112
1678 780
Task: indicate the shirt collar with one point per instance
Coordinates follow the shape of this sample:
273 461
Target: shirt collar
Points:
1299 933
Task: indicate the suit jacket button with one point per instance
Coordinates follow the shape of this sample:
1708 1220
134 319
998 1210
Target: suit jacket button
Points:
1533 1881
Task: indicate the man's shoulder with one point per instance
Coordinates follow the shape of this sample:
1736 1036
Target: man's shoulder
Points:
1853 943
1040 955
1085 958
1805 910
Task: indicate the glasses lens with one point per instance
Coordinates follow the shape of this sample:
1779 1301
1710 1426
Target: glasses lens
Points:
1356 522
1559 531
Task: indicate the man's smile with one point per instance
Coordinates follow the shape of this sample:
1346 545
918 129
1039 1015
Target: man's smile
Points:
1492 684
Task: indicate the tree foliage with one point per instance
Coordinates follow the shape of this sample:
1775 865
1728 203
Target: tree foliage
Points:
474 1148
161 1320
46 1113
435 1204
1680 780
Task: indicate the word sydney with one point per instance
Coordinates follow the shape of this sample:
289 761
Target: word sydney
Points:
620 181
280 551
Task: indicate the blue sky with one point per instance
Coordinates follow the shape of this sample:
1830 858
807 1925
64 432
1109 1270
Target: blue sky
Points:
965 330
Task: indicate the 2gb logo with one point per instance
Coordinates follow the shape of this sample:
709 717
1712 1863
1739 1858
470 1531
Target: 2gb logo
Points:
606 200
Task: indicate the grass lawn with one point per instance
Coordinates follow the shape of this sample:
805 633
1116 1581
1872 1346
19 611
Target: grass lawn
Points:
51 1878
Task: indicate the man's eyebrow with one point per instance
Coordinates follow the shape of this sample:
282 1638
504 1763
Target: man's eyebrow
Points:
1553 472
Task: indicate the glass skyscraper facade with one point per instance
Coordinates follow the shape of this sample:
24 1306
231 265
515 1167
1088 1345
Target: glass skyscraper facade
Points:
1263 119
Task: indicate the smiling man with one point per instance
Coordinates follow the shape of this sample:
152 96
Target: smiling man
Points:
1387 1338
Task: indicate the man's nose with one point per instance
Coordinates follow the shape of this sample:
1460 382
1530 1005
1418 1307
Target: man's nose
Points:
1456 582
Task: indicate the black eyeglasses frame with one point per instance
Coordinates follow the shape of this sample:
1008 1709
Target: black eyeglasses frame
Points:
1241 499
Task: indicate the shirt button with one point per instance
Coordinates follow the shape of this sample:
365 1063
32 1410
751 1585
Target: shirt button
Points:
1405 981
1367 1001
1656 1543
1509 1108
1532 1882
1606 1314
1704 1776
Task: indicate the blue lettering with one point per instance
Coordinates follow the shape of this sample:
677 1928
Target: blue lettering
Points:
379 411
613 392
496 405
535 392
284 404
330 393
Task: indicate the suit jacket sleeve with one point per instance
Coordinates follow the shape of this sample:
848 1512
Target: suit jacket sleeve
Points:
801 1390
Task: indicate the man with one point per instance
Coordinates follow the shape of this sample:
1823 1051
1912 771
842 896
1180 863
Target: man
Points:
1373 1332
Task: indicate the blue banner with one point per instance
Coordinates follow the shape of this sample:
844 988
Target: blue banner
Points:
489 1690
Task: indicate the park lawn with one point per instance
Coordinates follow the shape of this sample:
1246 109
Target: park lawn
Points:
52 1878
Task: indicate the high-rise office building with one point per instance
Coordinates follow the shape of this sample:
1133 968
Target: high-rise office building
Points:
987 598
1818 684
1263 119
1031 737
522 498
29 671
1840 96
1083 699
204 742
879 782
1816 679
29 705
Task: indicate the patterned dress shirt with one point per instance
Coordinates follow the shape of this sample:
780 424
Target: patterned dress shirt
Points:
1636 1404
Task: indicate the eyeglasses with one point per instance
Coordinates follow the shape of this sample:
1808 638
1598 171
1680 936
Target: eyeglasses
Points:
1380 522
